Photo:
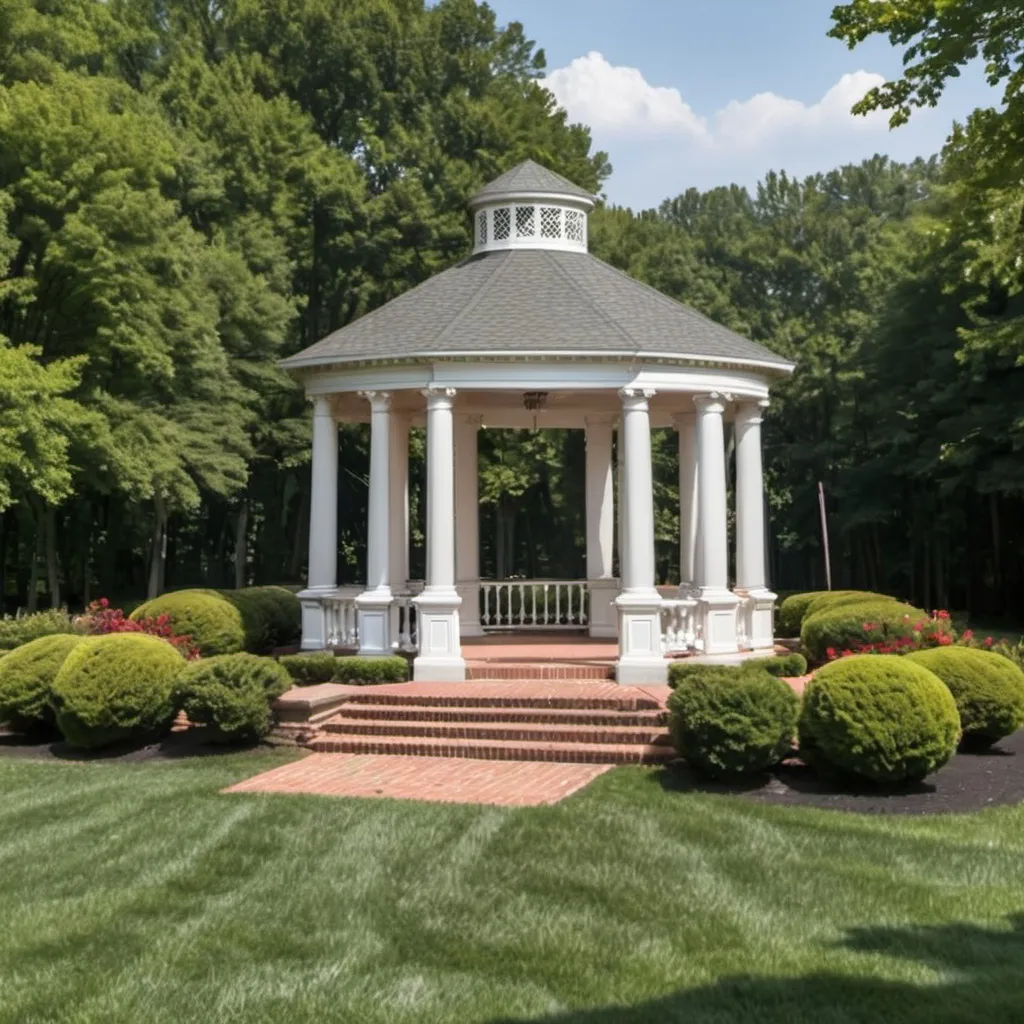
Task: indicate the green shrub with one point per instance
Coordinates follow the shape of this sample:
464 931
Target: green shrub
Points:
791 612
212 622
879 717
258 613
308 669
26 678
988 690
16 630
371 670
840 599
115 687
285 615
726 721
783 666
842 628
232 694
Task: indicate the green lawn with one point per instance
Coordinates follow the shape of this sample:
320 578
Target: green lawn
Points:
132 894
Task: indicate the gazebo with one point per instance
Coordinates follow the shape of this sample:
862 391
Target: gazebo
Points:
531 330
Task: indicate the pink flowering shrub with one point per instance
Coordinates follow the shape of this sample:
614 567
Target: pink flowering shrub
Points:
100 619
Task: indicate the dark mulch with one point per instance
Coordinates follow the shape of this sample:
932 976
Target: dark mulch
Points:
969 782
179 744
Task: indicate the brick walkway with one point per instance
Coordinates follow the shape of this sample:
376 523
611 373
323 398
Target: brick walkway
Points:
440 779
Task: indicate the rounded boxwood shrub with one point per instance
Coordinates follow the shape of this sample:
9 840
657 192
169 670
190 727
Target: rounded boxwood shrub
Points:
232 694
286 615
309 669
795 609
842 628
26 678
358 670
726 721
988 690
840 599
16 630
879 717
115 687
783 666
212 622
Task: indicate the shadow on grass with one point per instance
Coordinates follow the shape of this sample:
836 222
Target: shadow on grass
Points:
188 743
983 984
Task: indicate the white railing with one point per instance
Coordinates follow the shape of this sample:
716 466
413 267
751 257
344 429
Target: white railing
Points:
678 625
533 604
403 623
342 620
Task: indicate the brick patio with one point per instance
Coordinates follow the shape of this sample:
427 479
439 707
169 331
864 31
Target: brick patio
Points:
438 779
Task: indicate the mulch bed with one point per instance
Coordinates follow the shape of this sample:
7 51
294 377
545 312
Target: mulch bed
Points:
969 782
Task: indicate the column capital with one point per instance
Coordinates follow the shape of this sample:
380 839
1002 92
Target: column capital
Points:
713 402
380 401
438 398
321 405
636 398
751 411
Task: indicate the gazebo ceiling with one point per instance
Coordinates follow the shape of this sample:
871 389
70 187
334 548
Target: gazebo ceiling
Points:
534 301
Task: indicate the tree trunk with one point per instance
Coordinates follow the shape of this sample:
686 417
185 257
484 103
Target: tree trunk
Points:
158 548
52 569
997 561
241 543
33 576
300 534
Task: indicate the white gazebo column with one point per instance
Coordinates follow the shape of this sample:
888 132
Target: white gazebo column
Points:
440 650
751 578
374 604
688 513
717 602
641 657
398 505
323 528
602 585
467 522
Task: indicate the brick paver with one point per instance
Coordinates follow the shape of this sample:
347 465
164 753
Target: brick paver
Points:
439 779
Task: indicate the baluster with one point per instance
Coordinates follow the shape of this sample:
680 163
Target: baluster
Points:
546 586
533 602
568 604
487 604
584 604
521 588
558 604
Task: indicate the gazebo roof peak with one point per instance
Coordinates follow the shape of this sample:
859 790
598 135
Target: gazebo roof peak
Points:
529 179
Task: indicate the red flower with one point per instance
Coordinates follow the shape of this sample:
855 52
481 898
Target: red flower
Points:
847 653
830 653
989 641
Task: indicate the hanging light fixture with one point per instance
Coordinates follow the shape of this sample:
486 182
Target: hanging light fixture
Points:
535 401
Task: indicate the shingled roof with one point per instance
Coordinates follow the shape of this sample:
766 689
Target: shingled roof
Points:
529 178
534 301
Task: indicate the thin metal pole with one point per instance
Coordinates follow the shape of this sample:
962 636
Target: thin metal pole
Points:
824 536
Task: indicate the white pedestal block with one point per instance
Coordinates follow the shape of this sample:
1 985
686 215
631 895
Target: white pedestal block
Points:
758 612
604 616
641 657
719 612
440 658
314 617
374 612
469 613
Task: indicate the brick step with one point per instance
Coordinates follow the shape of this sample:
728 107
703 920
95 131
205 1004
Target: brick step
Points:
527 715
498 750
454 700
528 733
552 672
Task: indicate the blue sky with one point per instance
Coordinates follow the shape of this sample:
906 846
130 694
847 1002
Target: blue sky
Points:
685 93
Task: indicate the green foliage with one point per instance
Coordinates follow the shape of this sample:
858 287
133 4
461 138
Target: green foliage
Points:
729 721
213 623
26 678
879 717
793 610
782 666
116 687
988 690
840 599
271 616
21 629
359 671
309 669
842 628
232 694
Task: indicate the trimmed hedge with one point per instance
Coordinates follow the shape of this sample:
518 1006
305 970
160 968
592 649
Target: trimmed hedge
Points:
16 630
26 678
879 717
212 622
782 666
842 627
988 690
797 607
726 721
841 599
271 616
360 671
232 694
309 669
115 687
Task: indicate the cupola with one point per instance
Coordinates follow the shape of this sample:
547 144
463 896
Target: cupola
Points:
530 207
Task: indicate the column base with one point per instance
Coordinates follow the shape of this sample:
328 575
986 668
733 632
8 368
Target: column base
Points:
603 616
641 657
718 611
469 613
314 617
757 614
440 650
373 609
